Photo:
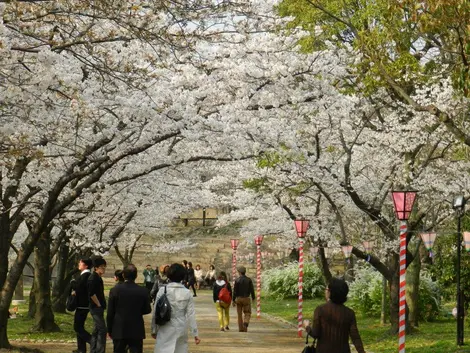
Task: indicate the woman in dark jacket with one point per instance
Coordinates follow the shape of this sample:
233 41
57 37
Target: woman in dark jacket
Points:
223 308
333 323
191 278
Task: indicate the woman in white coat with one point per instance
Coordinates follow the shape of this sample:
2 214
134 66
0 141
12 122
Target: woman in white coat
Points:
172 337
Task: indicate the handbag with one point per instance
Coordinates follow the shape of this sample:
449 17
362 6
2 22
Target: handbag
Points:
72 302
309 349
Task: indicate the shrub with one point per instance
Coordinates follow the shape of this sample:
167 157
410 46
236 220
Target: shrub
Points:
282 282
429 303
366 291
366 294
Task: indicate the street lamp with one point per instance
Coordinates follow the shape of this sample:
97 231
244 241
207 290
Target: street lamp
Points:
301 226
403 203
258 241
459 207
234 243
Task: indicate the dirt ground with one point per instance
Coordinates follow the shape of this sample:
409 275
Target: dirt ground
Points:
264 335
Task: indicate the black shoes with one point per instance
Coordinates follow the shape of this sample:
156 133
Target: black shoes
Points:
226 328
245 325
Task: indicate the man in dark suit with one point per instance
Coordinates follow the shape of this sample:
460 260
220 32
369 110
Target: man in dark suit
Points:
79 289
127 303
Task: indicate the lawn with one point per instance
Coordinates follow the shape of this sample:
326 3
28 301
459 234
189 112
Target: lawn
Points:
431 337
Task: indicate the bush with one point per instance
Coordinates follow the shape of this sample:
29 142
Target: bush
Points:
430 305
366 294
366 291
282 282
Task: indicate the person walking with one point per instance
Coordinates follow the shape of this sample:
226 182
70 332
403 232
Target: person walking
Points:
118 277
333 322
223 308
191 278
80 290
149 277
97 306
242 291
172 337
127 304
161 281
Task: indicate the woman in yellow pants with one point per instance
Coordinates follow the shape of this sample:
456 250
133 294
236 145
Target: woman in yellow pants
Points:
222 295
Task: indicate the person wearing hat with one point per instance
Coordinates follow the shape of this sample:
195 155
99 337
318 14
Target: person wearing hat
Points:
242 291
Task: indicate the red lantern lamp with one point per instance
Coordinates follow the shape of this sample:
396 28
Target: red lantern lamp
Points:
301 227
234 243
403 202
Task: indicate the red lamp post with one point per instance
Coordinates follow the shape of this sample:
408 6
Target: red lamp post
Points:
403 204
258 241
234 243
301 226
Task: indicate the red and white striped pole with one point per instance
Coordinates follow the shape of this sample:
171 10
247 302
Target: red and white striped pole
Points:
301 281
258 241
403 202
234 244
402 296
301 227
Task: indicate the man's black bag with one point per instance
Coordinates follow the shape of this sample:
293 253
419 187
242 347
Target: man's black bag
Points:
162 310
309 349
71 303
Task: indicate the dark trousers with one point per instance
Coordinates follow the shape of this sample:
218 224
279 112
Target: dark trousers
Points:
191 285
149 285
83 336
133 345
98 336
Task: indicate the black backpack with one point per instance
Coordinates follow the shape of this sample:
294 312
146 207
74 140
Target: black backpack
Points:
162 310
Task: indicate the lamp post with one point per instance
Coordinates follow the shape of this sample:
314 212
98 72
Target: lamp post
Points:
234 243
403 203
459 207
258 241
301 226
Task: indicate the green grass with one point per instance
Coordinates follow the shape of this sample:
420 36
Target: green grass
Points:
20 327
430 337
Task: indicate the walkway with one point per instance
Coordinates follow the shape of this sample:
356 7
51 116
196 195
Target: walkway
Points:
263 336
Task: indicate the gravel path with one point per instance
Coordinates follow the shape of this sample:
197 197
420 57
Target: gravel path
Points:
264 335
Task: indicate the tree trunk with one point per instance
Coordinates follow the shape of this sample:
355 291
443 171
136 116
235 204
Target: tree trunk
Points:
394 286
349 270
61 283
32 299
44 317
324 266
4 343
383 309
4 246
394 289
412 290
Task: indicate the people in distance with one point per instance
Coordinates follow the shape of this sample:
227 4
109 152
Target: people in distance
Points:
191 278
199 273
97 306
210 276
149 277
243 294
222 296
80 289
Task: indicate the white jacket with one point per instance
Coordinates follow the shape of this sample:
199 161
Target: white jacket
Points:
173 336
